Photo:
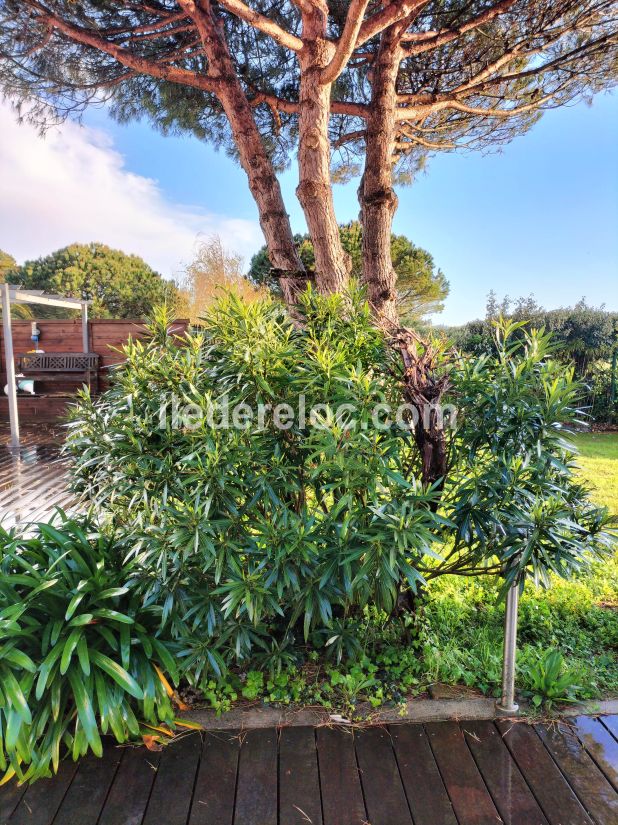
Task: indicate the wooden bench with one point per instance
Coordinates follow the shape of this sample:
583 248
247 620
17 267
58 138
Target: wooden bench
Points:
53 366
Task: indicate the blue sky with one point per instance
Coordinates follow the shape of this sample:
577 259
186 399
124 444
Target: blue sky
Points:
539 217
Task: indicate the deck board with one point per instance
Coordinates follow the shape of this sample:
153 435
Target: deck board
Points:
342 794
471 800
442 773
39 804
256 795
589 783
130 791
553 793
170 798
86 795
215 786
427 796
611 723
299 782
600 744
385 797
508 788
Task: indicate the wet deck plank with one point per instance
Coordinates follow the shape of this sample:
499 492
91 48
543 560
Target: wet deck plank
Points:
34 483
471 800
589 783
553 793
437 774
600 744
508 788
427 796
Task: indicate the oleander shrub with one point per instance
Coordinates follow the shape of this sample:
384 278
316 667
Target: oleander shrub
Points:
79 652
258 542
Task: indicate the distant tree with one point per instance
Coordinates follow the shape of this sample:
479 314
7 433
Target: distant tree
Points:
119 285
421 287
213 269
583 333
7 265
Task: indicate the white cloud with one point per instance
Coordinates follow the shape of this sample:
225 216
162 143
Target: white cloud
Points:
72 186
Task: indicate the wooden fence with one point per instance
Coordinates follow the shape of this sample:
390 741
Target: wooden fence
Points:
52 396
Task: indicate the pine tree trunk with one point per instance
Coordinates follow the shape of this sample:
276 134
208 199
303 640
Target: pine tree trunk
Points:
263 183
314 190
377 197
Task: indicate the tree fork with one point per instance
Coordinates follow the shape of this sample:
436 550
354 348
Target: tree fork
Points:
314 189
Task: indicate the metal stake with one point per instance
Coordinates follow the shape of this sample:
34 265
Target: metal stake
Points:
85 344
10 367
507 705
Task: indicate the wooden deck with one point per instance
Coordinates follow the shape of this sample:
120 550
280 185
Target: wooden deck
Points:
443 773
33 483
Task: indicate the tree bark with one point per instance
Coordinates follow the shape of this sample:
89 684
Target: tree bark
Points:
377 197
314 189
254 159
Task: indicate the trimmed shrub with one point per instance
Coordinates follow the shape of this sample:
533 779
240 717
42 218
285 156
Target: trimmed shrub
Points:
258 540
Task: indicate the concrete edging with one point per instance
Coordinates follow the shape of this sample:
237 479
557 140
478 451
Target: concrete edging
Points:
417 710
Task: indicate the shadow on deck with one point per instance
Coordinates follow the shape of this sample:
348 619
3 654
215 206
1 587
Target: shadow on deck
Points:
443 773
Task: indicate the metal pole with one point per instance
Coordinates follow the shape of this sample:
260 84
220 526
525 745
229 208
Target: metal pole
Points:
85 345
10 367
507 705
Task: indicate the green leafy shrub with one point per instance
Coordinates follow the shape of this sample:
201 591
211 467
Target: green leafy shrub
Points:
549 680
260 543
245 535
514 495
78 650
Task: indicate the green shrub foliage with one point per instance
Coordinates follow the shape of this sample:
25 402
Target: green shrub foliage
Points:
78 649
257 541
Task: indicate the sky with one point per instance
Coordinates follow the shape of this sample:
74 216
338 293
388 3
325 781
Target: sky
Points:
540 217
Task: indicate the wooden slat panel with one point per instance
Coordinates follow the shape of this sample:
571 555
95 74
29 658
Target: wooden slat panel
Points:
594 791
509 790
299 784
427 796
385 797
554 795
170 799
256 796
130 791
87 793
39 804
471 800
600 744
342 795
215 787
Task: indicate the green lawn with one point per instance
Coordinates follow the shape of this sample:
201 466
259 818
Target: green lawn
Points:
599 462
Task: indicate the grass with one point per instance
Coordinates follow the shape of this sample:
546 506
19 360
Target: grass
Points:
599 466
